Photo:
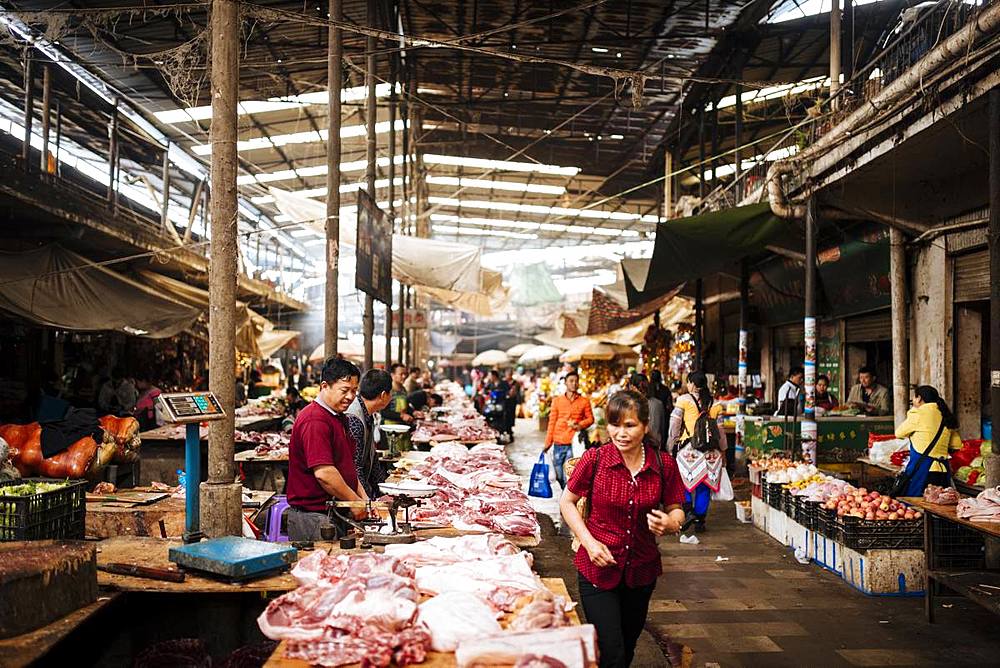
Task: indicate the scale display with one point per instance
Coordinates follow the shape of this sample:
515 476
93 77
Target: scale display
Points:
192 407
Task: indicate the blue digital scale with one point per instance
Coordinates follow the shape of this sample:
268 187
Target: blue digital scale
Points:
230 557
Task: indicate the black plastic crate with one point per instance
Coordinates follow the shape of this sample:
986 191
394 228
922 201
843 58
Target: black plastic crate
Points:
800 511
826 523
772 494
955 545
787 502
861 534
60 513
809 512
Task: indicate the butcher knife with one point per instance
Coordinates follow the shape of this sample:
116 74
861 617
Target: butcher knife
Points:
147 572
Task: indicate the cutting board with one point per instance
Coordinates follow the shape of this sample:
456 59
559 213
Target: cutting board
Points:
127 497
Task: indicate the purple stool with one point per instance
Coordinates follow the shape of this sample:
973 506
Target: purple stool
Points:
276 528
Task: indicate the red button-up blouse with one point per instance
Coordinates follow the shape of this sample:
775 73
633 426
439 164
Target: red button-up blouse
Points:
618 508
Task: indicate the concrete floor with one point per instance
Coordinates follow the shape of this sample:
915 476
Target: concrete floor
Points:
759 607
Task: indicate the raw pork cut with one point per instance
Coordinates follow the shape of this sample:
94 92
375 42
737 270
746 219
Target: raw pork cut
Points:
441 551
383 601
542 610
456 616
500 581
573 646
372 648
323 566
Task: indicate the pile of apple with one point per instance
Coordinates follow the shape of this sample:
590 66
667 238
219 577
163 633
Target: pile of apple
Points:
870 506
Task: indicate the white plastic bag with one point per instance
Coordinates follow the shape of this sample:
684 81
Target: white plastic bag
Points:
725 492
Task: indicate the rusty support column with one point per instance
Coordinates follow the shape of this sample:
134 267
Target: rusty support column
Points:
29 105
701 153
46 116
699 324
58 136
834 50
900 353
165 202
738 158
668 183
371 110
392 195
335 82
221 502
993 461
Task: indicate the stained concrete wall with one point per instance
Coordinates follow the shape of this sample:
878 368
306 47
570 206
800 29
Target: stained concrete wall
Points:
931 319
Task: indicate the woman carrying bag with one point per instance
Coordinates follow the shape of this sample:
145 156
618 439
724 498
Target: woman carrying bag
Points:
626 483
933 431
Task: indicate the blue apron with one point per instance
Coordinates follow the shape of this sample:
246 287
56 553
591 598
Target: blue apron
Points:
918 468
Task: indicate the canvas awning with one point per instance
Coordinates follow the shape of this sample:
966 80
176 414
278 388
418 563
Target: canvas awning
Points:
491 297
56 287
415 261
695 247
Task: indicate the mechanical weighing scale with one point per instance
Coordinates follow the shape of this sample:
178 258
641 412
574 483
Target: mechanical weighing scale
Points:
230 557
376 531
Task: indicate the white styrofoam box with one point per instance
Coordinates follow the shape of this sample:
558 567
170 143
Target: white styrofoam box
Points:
796 535
776 524
759 511
744 514
827 553
885 572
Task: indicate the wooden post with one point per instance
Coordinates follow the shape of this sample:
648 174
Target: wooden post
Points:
738 157
392 195
335 82
699 323
668 183
58 136
368 320
221 501
900 353
113 155
993 461
29 105
165 199
834 50
46 116
701 153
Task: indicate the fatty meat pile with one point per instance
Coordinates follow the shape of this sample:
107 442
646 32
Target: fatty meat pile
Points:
477 490
473 595
457 420
268 444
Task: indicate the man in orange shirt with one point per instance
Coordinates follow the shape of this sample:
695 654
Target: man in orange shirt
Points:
570 413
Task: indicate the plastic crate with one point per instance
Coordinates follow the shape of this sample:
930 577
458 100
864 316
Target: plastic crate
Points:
810 513
797 510
860 534
827 524
772 494
955 545
60 513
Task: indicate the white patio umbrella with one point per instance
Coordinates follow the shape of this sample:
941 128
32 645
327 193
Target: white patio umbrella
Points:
594 350
538 354
518 350
491 358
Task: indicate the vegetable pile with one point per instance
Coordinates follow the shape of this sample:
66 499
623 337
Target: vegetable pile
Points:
30 488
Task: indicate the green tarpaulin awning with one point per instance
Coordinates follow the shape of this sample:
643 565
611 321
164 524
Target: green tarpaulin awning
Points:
690 248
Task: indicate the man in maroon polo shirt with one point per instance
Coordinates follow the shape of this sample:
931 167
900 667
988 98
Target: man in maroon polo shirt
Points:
321 454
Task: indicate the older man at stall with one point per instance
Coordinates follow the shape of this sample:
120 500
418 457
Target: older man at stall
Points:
868 396
321 454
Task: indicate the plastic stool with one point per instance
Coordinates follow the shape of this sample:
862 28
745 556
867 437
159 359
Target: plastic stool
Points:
277 529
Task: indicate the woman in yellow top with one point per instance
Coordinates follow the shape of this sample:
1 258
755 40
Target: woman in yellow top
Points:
683 419
929 414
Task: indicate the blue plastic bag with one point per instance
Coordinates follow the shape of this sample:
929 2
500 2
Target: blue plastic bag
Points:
539 484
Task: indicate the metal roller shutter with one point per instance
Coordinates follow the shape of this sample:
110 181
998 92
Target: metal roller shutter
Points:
871 327
972 277
788 336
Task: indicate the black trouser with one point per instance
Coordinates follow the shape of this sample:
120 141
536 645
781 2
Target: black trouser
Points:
619 615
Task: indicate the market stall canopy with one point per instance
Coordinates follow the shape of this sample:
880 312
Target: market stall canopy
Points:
532 285
415 261
596 350
354 349
697 246
491 298
515 352
55 287
251 327
538 354
491 358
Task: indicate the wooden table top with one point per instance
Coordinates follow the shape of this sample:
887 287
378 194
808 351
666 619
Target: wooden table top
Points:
434 659
885 467
948 513
251 457
23 650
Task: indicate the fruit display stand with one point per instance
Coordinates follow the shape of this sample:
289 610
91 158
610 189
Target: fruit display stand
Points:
840 439
893 566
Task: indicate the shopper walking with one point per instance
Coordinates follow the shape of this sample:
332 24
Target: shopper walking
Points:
699 445
570 413
933 432
657 412
634 494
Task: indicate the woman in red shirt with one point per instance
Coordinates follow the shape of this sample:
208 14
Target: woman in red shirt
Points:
626 480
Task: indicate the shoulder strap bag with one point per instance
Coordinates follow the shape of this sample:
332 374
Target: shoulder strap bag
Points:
903 478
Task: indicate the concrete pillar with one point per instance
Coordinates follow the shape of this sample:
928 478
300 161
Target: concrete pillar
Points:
931 320
741 357
221 496
900 354
668 183
834 49
809 331
968 371
335 82
993 462
29 104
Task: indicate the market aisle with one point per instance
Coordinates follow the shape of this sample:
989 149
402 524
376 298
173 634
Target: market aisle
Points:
523 453
740 599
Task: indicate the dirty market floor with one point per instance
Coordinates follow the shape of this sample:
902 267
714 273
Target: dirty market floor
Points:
739 598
